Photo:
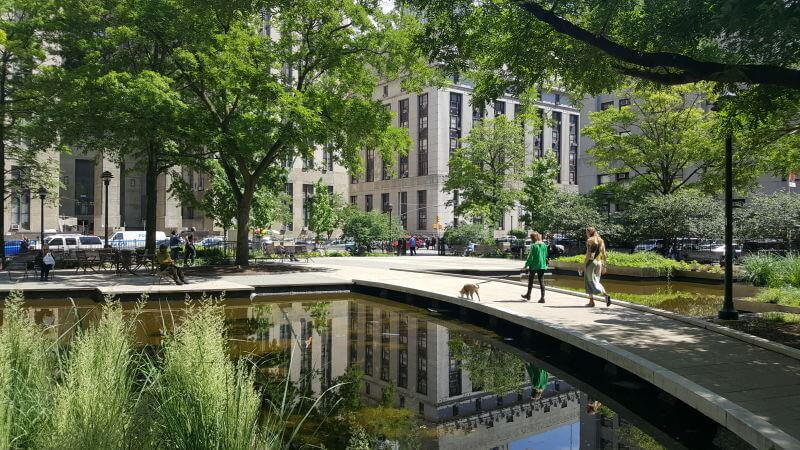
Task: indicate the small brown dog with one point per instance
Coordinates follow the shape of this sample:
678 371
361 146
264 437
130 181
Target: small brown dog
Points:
468 290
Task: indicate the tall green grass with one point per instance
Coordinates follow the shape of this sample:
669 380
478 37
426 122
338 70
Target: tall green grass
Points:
96 400
26 368
773 270
202 400
642 260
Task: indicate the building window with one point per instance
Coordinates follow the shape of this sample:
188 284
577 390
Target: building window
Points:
403 104
557 142
623 176
308 192
404 209
368 324
478 113
422 141
454 375
385 354
623 102
455 121
604 178
455 206
422 358
386 173
557 100
538 140
402 375
368 202
289 187
327 160
386 90
421 408
573 149
353 179
402 163
499 109
354 200
308 162
370 169
422 211
605 105
385 202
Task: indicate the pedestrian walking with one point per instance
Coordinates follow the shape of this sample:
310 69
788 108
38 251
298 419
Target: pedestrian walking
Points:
174 245
189 250
536 264
594 266
413 245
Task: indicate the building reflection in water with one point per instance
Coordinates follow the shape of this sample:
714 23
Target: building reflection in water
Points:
392 345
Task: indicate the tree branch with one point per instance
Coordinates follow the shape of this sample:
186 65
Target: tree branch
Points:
689 69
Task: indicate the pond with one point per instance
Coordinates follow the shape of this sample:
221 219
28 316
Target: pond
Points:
423 380
644 287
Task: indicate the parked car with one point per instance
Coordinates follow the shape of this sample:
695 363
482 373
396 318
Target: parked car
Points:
341 246
12 247
211 241
132 240
719 252
73 242
650 245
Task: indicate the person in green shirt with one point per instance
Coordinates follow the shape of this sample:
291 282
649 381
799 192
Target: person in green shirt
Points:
536 264
539 379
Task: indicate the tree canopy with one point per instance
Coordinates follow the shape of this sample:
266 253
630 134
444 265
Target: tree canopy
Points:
684 214
488 169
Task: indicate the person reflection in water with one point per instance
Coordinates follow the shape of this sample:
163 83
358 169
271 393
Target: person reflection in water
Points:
539 378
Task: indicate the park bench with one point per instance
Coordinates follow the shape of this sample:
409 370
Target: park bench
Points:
458 250
22 262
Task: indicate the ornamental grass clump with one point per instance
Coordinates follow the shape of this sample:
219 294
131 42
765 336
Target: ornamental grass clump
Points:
97 398
773 271
201 399
27 357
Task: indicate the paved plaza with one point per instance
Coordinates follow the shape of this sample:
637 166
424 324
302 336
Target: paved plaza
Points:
752 390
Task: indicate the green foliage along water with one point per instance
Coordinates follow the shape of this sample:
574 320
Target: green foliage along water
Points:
644 260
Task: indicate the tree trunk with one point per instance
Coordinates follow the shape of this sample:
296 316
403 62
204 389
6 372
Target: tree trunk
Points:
3 194
151 192
242 227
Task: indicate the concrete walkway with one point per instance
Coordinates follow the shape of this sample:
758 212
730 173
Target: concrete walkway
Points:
753 391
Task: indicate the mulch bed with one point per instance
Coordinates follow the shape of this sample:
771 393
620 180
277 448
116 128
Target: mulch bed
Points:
783 333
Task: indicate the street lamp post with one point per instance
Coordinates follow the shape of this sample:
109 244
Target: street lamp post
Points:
728 311
42 195
106 176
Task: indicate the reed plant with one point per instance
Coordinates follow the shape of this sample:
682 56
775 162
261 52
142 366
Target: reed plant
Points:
773 271
27 357
201 399
97 397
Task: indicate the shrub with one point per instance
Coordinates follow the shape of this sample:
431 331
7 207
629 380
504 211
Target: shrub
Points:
202 399
773 270
642 260
95 401
462 235
26 364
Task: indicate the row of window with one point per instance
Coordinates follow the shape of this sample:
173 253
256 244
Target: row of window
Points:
402 200
308 193
623 102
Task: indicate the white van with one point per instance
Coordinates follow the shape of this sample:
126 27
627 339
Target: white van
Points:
73 242
133 239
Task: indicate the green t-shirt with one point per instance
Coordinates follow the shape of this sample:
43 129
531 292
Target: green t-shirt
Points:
537 257
538 377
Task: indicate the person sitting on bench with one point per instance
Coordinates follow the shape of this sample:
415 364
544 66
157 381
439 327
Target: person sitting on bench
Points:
47 263
167 265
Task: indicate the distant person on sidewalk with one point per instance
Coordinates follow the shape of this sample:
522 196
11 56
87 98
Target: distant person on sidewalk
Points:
47 264
413 245
536 264
174 245
25 245
167 265
594 266
189 251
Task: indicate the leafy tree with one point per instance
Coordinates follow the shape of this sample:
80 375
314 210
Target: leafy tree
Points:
364 228
116 93
768 216
490 369
326 213
488 169
477 233
259 100
685 213
591 47
539 192
665 137
25 133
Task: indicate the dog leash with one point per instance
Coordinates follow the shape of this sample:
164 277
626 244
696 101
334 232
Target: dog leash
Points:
489 281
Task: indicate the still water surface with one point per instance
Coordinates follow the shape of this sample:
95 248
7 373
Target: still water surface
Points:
465 387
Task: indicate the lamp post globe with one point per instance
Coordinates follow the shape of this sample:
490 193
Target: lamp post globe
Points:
106 176
42 195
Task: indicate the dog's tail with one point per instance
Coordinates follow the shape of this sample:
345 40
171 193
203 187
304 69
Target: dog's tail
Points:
477 287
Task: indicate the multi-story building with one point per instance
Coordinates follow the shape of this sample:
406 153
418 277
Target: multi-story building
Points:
437 119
